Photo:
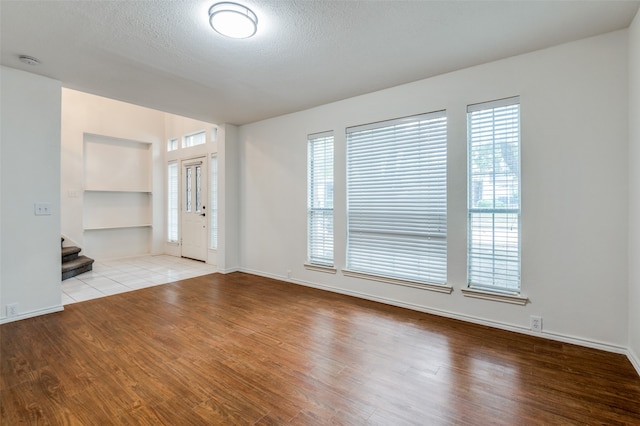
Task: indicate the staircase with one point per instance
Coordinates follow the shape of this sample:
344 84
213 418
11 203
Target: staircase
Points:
72 263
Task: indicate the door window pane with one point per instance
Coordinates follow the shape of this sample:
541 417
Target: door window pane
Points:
198 185
187 192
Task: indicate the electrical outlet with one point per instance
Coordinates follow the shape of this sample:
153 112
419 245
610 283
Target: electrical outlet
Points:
288 273
536 323
12 310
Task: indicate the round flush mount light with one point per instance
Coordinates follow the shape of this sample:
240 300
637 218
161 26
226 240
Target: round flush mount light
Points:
29 60
233 20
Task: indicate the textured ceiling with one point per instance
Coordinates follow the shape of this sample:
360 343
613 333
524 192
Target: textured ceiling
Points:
162 54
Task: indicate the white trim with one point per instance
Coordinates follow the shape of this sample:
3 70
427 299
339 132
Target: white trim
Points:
326 134
423 286
395 121
496 297
608 347
99 228
229 270
320 268
32 314
115 138
107 189
634 359
69 242
442 313
493 104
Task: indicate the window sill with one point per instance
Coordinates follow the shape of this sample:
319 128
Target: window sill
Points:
320 268
496 297
424 286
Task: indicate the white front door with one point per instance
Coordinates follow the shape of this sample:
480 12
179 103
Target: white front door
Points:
193 210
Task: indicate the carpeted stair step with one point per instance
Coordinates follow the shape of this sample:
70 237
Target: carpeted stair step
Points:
69 253
76 266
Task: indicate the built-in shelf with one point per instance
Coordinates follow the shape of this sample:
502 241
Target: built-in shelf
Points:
100 228
144 191
117 201
116 209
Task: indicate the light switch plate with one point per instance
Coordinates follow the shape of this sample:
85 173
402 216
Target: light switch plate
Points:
42 209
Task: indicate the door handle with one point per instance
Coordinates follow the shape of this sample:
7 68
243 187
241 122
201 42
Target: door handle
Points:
202 214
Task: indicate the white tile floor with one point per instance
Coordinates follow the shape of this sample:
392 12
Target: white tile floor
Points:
133 273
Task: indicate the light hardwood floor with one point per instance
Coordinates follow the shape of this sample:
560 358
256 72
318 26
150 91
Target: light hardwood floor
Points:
239 349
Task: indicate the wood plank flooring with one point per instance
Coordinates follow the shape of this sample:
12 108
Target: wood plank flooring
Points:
244 350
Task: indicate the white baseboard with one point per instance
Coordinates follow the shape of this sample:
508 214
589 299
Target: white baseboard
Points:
447 314
32 314
635 360
235 269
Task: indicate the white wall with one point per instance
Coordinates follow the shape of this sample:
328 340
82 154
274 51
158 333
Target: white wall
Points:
84 113
228 200
222 142
634 192
177 127
30 172
574 189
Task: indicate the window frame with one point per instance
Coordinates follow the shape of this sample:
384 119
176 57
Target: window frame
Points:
173 211
213 202
486 266
190 140
430 237
319 204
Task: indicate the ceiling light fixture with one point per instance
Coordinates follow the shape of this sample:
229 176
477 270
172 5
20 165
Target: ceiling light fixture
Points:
233 20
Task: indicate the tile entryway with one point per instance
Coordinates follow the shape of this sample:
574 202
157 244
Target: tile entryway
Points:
133 273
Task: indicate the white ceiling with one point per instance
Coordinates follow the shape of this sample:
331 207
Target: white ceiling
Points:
163 54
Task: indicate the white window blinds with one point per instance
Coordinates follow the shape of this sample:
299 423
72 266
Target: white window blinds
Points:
320 199
397 198
172 202
213 202
493 241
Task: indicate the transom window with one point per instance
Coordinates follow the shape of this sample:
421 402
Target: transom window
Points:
194 139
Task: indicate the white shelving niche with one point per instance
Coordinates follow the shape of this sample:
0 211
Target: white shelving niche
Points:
117 205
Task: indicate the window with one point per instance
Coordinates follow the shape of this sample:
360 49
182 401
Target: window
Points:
213 202
320 199
397 199
172 202
199 138
198 172
172 144
187 189
493 241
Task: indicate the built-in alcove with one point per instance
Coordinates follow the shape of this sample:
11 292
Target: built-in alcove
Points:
117 199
